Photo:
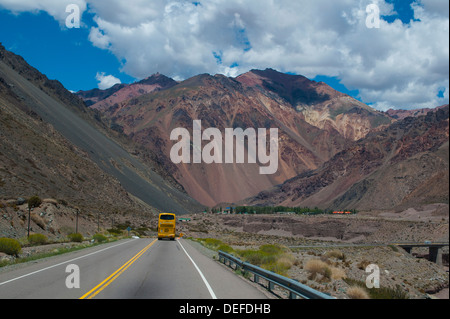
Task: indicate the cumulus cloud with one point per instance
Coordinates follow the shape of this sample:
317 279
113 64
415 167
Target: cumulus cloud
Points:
55 8
398 65
106 81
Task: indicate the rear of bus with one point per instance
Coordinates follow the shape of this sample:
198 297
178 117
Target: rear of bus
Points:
166 226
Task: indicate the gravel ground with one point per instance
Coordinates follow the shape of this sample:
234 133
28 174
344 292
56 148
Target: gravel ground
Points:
416 277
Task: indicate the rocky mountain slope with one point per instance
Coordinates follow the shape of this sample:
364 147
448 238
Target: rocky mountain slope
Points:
102 99
314 121
35 159
53 145
404 164
402 114
319 104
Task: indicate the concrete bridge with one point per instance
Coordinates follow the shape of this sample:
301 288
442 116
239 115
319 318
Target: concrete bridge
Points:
435 249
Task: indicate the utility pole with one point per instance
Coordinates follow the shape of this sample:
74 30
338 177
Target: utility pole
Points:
33 202
29 217
76 226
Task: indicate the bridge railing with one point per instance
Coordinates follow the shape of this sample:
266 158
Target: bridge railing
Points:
294 287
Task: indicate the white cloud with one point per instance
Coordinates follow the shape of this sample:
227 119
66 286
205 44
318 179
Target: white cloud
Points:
398 65
438 7
402 65
55 8
98 38
106 81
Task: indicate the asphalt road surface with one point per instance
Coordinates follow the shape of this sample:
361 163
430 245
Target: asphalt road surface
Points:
129 269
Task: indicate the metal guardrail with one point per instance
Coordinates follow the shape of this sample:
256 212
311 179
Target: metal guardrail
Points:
295 288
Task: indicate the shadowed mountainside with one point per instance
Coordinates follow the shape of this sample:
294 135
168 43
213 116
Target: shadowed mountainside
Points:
24 88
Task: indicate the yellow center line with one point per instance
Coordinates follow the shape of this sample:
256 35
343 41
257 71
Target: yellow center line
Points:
105 283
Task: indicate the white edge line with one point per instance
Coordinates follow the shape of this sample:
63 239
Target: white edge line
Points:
65 262
211 292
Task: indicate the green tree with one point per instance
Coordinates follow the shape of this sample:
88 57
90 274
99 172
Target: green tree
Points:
34 201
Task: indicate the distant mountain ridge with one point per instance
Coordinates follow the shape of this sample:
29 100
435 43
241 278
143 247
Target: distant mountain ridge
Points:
314 120
405 164
402 114
101 99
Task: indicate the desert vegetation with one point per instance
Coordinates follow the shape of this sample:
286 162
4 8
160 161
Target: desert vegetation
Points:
10 246
270 257
322 271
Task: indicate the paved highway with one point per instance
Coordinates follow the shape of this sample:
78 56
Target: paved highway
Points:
129 269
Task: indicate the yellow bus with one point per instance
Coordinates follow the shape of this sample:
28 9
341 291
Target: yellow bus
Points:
166 226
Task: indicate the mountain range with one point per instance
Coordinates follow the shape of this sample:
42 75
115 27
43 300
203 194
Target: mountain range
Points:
335 151
314 122
405 164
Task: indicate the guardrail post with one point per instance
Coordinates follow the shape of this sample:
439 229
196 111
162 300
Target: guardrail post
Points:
271 286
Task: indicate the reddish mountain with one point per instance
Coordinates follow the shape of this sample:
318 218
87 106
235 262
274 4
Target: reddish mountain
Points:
314 121
319 104
402 114
407 163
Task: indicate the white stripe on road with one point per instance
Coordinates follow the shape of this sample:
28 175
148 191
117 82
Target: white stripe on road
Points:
211 292
66 262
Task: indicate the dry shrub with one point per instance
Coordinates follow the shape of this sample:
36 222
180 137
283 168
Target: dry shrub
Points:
363 264
298 263
316 267
319 267
335 254
356 292
286 261
337 273
50 201
38 220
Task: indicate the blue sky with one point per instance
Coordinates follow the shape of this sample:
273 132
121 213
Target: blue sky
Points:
60 53
388 67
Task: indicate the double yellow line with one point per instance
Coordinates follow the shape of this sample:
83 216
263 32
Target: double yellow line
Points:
105 283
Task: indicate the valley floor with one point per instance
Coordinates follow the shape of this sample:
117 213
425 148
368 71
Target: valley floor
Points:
346 244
